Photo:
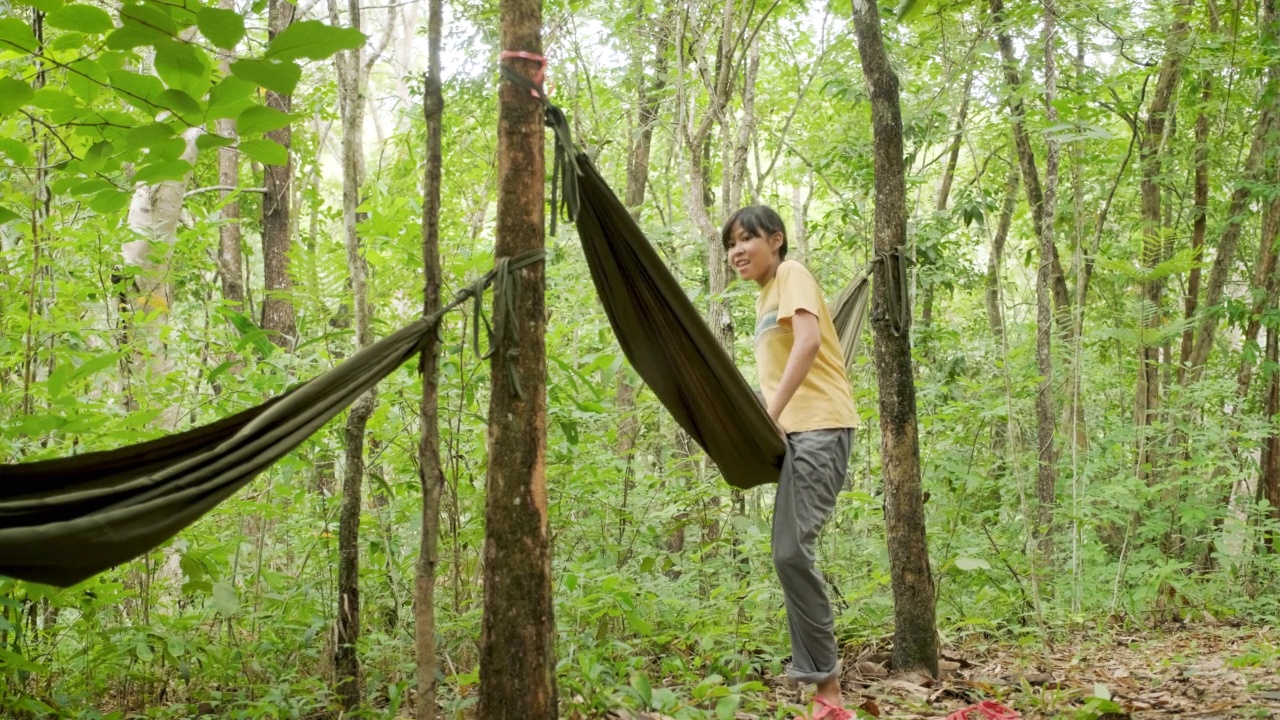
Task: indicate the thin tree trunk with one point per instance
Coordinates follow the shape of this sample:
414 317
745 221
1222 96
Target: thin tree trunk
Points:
1200 214
277 239
230 262
915 636
1046 417
944 190
429 449
801 196
517 641
1225 257
745 130
1269 482
1154 139
1027 159
995 315
351 104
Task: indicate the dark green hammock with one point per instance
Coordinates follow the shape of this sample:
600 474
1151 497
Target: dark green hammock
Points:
64 520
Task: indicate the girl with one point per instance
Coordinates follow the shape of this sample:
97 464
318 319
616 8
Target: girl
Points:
807 393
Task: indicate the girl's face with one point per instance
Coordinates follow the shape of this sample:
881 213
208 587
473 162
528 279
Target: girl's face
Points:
755 257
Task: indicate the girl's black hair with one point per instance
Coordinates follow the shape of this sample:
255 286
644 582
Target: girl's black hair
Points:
756 221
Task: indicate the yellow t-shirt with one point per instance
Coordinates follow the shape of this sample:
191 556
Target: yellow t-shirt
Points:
824 399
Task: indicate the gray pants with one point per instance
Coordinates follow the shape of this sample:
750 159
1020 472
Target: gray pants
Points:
812 476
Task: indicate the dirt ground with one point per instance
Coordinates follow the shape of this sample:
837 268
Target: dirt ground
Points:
1207 673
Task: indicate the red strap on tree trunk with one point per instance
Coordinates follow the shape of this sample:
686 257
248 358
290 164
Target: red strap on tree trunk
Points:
534 57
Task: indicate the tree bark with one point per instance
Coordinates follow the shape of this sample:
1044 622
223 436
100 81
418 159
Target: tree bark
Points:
351 105
1027 159
230 262
1150 156
1199 212
432 474
995 315
915 637
1269 482
1046 420
944 190
277 239
1236 214
517 651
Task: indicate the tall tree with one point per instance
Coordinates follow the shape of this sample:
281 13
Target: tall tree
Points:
277 238
915 635
1150 156
517 651
230 260
432 474
351 72
944 188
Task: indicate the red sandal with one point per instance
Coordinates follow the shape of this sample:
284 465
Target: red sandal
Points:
827 711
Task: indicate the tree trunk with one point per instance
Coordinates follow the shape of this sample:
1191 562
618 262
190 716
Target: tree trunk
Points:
745 130
432 475
277 239
1224 259
1150 156
995 315
1269 481
1199 212
517 651
351 105
915 637
1027 159
801 196
944 190
230 262
1046 420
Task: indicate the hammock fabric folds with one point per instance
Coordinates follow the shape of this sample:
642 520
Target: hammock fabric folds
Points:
64 520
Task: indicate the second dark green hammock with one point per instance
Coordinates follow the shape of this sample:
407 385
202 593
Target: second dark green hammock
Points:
64 520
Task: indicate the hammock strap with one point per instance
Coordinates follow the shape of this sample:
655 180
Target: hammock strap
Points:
505 280
564 167
895 278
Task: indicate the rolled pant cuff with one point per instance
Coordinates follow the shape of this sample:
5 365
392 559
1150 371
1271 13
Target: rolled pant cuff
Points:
812 678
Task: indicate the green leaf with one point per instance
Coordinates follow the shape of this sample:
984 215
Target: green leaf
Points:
182 104
161 171
132 35
225 598
261 119
53 99
313 40
13 95
183 67
96 364
223 28
727 707
209 140
140 91
97 156
910 10
149 135
81 18
44 6
265 151
109 201
7 215
640 682
16 150
85 79
281 77
969 564
149 15
17 35
230 97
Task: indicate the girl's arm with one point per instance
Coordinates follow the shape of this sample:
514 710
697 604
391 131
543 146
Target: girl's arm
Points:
804 327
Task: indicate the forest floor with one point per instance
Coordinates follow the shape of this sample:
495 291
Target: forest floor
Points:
1211 672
